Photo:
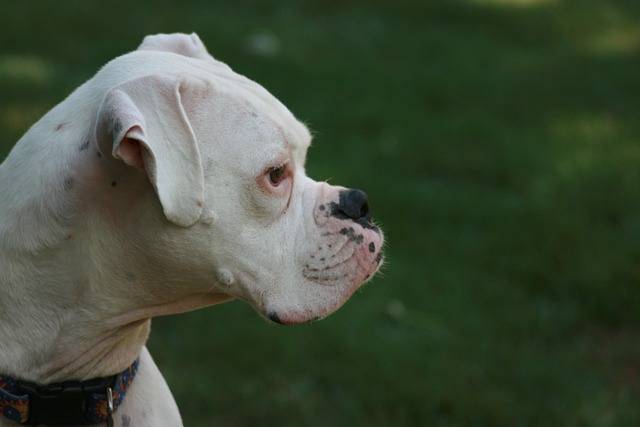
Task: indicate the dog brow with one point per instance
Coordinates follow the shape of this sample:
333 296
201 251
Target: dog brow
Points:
299 137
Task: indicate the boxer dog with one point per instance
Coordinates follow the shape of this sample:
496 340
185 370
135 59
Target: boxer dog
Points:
165 183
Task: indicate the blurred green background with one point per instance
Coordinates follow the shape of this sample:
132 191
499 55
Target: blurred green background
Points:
499 142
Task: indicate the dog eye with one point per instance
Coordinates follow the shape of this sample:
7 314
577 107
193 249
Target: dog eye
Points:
276 175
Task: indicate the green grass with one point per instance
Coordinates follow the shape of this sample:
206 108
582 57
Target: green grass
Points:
499 142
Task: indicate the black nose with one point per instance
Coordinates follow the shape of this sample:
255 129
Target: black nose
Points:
353 204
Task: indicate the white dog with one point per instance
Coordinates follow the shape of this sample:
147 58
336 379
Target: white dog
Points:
165 183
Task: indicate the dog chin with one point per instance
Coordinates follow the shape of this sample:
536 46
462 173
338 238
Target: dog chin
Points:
331 289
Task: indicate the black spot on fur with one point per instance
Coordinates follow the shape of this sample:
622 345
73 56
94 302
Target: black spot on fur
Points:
372 247
322 207
60 127
351 234
69 182
116 127
378 258
84 146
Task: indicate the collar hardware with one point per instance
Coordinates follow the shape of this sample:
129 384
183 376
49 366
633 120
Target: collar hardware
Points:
61 404
109 407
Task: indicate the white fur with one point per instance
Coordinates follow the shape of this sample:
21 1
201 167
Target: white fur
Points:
146 192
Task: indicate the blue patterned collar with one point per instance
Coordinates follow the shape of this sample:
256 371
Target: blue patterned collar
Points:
68 403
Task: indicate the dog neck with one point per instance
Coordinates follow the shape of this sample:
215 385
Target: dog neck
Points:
55 325
48 342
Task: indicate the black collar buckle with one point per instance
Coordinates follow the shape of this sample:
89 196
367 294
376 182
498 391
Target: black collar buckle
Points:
63 403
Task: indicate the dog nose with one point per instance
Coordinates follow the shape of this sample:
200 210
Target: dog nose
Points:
353 204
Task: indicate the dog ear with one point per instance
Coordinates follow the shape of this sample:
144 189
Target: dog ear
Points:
182 44
143 123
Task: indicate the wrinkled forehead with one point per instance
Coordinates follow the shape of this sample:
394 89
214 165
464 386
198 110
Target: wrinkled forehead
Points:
250 108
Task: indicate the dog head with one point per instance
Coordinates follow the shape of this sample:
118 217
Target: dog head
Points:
233 210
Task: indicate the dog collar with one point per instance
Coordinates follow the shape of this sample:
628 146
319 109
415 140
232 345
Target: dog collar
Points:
68 403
